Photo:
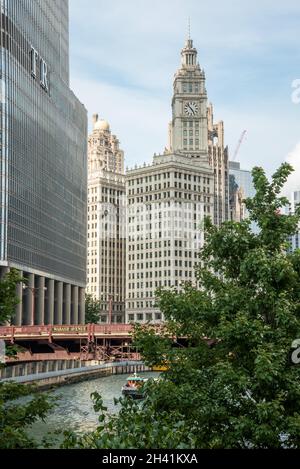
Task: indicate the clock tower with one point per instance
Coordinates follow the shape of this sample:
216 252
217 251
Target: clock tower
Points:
188 132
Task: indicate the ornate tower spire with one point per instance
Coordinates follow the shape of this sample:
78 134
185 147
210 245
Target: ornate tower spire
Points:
189 52
188 130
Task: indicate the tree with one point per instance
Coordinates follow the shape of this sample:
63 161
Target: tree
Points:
233 386
92 309
8 297
15 418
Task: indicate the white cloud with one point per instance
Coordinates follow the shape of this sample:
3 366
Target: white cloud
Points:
293 183
124 55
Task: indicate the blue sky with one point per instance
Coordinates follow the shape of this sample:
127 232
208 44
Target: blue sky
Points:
124 55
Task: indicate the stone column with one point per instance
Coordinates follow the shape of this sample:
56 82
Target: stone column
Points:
81 314
67 303
50 302
3 272
29 301
17 320
59 303
40 309
74 317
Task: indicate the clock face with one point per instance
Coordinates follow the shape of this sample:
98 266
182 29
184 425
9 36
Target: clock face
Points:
191 109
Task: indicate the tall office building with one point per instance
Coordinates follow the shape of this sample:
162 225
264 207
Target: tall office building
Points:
240 187
43 183
168 199
294 202
106 222
218 160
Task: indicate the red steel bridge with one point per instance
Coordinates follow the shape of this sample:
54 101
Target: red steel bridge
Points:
69 342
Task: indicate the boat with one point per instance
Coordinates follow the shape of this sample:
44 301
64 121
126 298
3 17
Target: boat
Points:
160 368
133 387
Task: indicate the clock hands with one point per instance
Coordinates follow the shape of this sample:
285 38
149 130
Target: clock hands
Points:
191 108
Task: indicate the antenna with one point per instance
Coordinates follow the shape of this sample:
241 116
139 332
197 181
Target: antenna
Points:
189 28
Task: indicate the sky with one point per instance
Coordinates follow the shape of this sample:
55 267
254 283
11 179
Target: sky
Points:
123 56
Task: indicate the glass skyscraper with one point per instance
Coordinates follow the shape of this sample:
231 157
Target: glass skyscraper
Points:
43 163
241 179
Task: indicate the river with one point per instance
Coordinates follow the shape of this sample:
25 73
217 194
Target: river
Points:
74 408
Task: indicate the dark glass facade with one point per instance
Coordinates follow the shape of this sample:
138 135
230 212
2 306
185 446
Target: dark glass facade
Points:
43 147
43 163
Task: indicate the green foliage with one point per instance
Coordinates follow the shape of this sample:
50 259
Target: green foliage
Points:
233 386
16 417
134 427
8 297
92 309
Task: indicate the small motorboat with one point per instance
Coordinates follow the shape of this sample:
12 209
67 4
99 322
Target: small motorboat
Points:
133 387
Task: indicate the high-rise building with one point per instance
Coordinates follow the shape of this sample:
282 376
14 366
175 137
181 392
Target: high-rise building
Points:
218 160
106 222
43 185
168 199
240 187
294 202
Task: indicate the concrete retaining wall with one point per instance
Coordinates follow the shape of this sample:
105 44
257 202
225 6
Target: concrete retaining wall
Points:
62 377
33 368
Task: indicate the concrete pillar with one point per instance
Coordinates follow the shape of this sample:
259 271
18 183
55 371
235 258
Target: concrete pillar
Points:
17 320
81 306
50 302
29 300
74 316
40 303
3 272
59 303
67 303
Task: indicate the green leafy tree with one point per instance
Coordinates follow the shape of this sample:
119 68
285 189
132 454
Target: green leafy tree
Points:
8 297
16 417
233 385
92 309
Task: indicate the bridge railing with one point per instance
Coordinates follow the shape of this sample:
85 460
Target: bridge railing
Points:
67 330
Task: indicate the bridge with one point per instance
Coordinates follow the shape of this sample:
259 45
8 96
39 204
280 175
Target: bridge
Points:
69 342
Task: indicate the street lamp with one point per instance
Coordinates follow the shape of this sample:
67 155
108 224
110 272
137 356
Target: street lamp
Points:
33 290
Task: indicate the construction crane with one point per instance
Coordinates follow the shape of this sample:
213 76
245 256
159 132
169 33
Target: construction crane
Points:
239 145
